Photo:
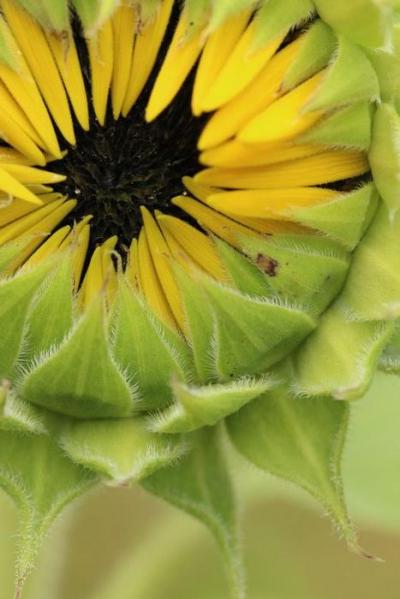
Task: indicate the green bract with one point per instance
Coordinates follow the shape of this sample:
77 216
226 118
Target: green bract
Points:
113 395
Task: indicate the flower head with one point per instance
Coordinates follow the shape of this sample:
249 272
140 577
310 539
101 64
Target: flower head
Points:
198 222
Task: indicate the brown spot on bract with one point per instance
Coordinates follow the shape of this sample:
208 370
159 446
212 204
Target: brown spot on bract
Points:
267 265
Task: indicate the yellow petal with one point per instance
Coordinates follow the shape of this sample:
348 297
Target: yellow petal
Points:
268 203
193 243
12 209
12 107
30 175
182 54
23 89
313 170
267 226
23 225
235 154
285 119
98 274
150 285
101 50
243 65
33 44
147 45
78 242
10 185
66 57
124 23
38 233
132 269
12 133
215 55
211 220
255 98
199 190
162 263
12 156
109 272
48 248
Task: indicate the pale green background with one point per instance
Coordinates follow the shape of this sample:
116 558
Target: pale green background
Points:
119 544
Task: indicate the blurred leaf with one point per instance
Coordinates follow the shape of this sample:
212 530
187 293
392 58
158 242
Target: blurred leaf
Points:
300 440
200 485
41 481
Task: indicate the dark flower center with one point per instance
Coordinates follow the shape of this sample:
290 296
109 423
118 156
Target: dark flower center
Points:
128 163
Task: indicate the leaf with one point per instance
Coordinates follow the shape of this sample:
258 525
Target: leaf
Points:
80 377
17 415
372 290
121 450
344 218
196 407
365 22
199 484
349 127
252 333
199 325
303 270
384 155
350 78
318 45
277 18
299 440
16 295
340 357
50 318
41 481
138 339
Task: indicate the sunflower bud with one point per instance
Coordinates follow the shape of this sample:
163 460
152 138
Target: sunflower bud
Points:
198 223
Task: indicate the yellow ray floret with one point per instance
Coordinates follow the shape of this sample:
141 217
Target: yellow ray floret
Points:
12 133
101 49
269 203
215 55
268 226
23 89
98 275
243 65
199 190
182 54
124 24
66 57
147 44
285 118
150 284
37 233
22 225
313 170
193 243
235 154
132 268
48 248
78 242
10 185
30 175
255 98
162 263
33 44
12 156
211 220
12 209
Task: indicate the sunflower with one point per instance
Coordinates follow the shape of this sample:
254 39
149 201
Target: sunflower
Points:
198 222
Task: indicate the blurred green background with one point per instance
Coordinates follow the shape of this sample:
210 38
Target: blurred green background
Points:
124 544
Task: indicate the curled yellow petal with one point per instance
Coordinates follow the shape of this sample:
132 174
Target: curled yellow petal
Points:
181 56
147 44
285 119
